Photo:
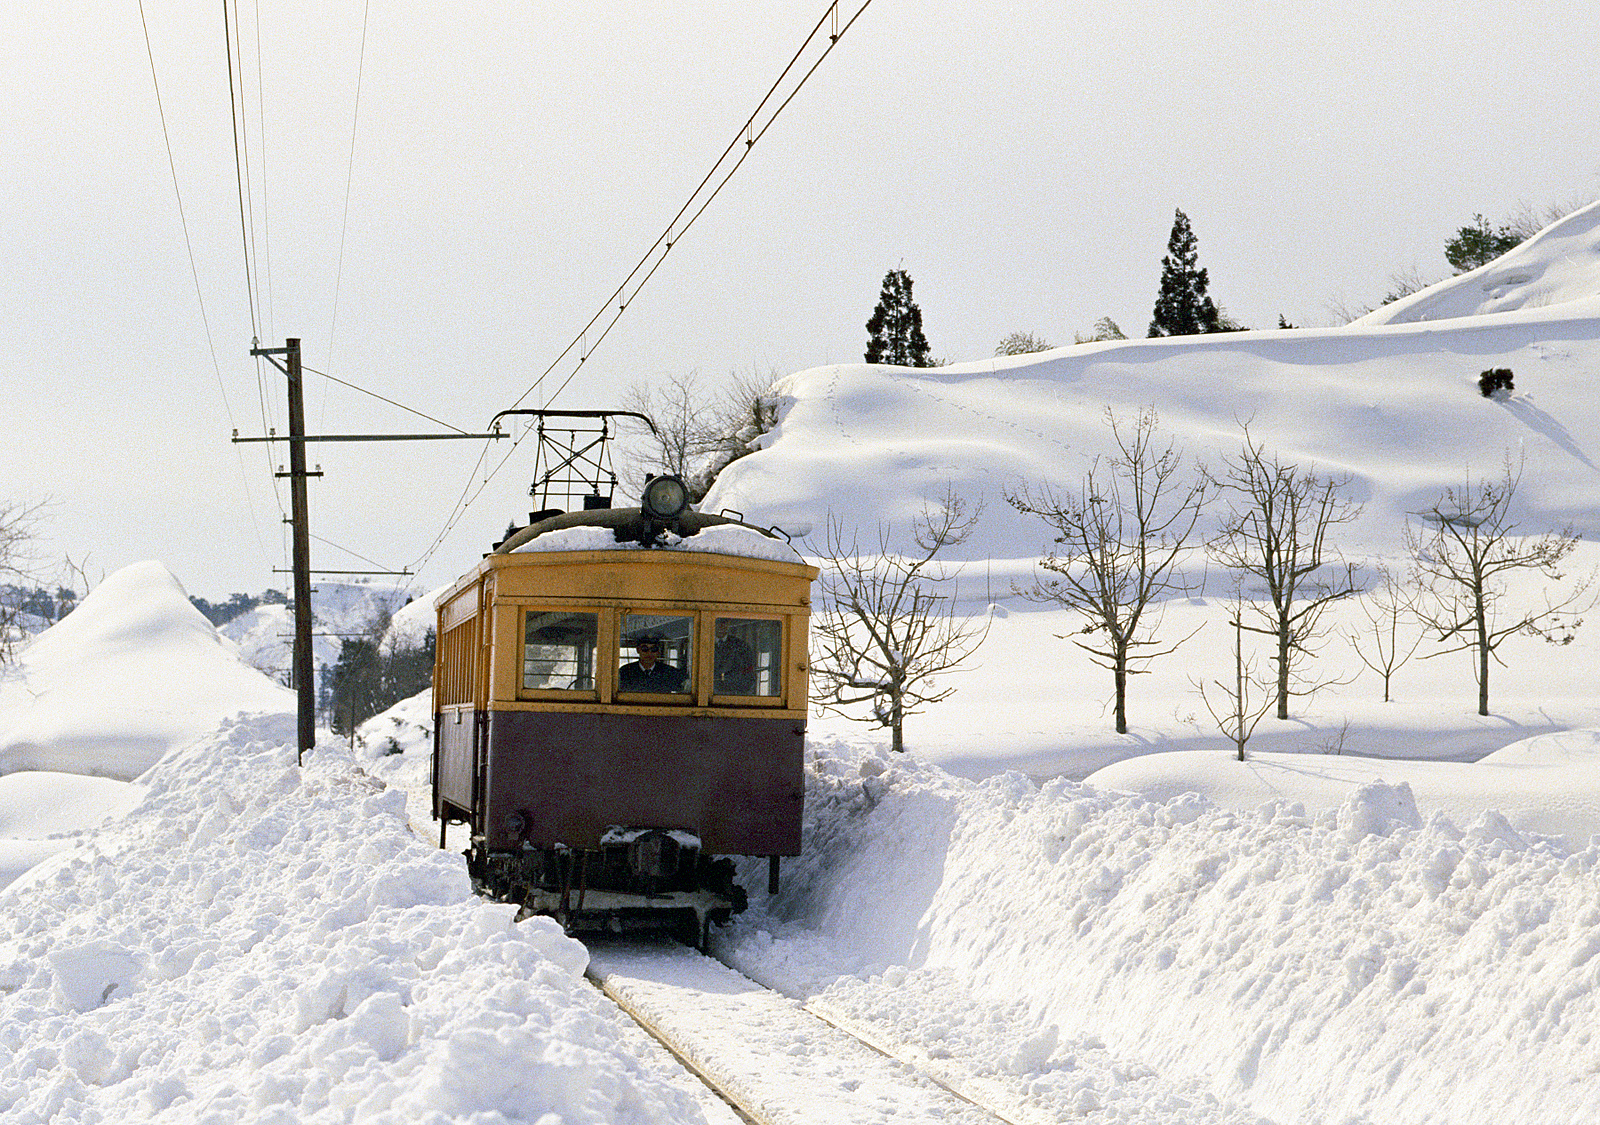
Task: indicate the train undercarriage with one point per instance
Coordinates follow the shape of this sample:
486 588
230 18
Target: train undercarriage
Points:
636 879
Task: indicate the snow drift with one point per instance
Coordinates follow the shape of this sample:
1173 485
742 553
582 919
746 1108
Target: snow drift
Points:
1359 964
132 672
1556 271
260 943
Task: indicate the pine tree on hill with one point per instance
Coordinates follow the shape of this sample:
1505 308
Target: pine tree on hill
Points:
1182 306
894 334
1479 244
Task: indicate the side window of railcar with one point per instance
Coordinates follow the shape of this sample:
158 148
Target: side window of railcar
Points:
656 654
559 651
748 657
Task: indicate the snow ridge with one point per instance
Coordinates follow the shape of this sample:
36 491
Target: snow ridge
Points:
1356 965
255 943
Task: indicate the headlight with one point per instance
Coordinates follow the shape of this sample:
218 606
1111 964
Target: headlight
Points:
665 499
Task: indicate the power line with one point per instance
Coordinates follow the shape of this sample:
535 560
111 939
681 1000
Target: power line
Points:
194 270
239 164
621 297
349 176
380 398
266 209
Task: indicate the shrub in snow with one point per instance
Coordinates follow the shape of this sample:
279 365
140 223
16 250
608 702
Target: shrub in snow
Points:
1495 379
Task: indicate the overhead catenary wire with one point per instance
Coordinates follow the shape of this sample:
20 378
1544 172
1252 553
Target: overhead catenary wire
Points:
620 298
381 398
349 177
235 83
194 271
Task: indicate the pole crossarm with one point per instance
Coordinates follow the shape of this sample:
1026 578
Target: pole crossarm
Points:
302 438
320 570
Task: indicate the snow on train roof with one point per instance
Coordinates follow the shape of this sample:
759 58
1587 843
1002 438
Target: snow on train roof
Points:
726 539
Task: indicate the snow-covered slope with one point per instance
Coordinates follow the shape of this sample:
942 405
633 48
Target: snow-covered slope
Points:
265 635
1396 406
1556 271
255 942
132 672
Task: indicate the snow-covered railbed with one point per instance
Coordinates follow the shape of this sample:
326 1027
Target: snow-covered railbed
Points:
889 1049
780 1064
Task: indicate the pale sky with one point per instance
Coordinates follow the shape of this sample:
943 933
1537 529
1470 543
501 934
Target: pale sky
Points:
511 162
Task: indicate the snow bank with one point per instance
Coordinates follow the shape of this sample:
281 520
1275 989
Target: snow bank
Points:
258 943
1364 963
1548 785
130 673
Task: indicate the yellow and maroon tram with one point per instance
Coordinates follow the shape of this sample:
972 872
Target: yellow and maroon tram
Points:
620 708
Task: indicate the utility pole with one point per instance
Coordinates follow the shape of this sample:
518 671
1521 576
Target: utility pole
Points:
304 674
305 680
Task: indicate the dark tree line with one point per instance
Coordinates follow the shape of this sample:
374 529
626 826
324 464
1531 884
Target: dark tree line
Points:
220 613
371 676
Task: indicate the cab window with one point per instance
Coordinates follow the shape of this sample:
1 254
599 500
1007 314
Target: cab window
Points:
559 651
748 657
656 654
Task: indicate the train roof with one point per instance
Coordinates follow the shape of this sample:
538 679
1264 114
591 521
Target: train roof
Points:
625 529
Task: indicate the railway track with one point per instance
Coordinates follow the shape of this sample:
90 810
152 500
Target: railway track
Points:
772 1059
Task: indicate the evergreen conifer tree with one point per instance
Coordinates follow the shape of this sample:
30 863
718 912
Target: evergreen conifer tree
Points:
1182 307
1479 244
894 334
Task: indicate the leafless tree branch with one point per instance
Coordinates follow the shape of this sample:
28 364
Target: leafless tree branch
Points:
1120 538
1465 548
1276 533
885 633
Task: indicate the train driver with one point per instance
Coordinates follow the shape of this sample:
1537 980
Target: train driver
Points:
650 672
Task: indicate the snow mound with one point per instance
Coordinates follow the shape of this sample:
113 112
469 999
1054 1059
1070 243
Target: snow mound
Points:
1558 266
1363 963
1544 786
38 804
260 943
132 672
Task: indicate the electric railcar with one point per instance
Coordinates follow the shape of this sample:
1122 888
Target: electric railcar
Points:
620 707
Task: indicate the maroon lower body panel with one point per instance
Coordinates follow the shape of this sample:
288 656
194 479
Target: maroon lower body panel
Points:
737 783
455 753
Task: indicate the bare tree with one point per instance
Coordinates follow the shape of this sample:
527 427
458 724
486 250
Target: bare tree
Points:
747 408
699 430
1238 706
1466 550
19 525
1022 343
1391 646
1119 540
678 445
885 632
1276 532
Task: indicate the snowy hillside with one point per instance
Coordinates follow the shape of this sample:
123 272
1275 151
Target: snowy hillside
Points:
1556 271
265 635
1395 405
